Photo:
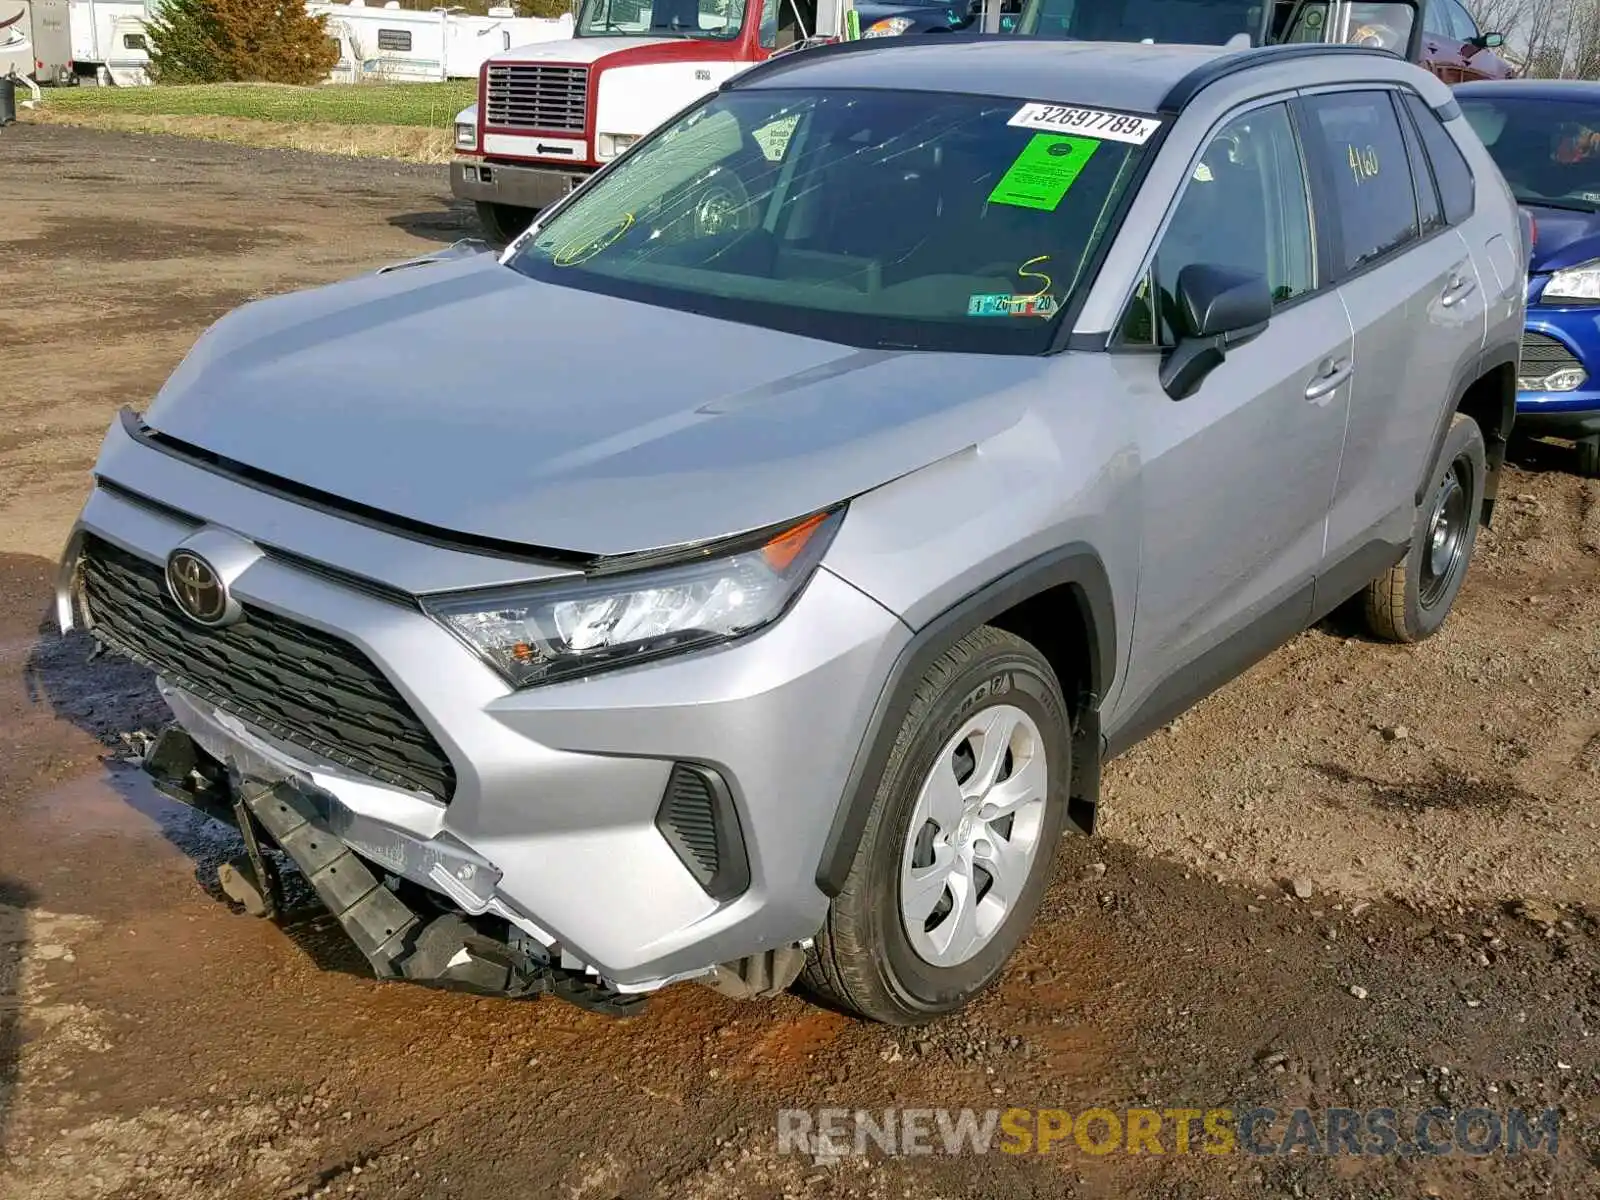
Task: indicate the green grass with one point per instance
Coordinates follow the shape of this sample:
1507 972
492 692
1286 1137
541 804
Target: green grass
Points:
430 105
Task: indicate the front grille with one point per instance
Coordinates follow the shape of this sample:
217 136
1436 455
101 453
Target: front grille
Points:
523 96
290 681
1545 354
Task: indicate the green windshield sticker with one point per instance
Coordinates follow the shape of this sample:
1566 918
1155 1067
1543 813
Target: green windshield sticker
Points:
1041 175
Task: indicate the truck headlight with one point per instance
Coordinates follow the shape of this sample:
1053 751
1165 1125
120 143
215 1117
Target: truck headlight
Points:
540 633
1580 283
888 27
466 136
609 145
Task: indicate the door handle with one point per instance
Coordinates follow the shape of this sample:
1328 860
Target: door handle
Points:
1331 373
1457 290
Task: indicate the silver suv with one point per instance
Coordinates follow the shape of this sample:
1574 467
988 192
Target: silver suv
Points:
747 573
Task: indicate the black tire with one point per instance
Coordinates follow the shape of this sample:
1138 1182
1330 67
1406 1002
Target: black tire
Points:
1410 600
1589 456
863 960
502 223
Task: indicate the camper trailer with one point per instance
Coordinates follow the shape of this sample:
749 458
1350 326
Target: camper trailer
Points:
106 42
109 43
35 40
391 44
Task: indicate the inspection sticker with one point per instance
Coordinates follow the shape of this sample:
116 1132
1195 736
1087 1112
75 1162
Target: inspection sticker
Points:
1091 122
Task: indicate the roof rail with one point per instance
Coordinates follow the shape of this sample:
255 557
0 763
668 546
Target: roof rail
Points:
1186 89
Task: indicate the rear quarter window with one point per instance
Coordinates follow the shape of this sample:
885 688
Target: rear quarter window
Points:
1456 185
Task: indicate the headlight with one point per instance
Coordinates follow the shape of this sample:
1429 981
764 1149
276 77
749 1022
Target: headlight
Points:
1580 283
540 633
609 145
888 27
466 136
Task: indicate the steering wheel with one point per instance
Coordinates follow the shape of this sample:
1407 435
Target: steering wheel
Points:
1375 36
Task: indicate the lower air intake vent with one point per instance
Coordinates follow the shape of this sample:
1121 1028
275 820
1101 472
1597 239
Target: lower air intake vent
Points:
698 820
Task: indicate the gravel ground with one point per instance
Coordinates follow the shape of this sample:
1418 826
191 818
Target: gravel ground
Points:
1360 877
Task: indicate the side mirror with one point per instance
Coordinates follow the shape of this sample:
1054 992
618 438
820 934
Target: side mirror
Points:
1489 41
1217 306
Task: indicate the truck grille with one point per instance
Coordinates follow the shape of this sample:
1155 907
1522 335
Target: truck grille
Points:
523 96
290 681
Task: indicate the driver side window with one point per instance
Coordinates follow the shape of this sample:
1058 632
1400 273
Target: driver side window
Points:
1245 206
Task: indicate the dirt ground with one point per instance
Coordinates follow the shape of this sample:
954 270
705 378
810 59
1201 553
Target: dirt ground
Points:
1435 808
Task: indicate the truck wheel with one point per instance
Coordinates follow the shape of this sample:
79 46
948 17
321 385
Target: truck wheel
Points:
501 223
1410 600
957 850
1589 456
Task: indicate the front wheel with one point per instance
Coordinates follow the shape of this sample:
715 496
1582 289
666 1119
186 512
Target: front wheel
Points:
1410 600
503 223
956 855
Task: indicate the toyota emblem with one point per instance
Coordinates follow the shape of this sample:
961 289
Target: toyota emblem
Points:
197 589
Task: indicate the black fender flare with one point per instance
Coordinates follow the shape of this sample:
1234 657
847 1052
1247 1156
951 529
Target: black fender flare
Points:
1076 565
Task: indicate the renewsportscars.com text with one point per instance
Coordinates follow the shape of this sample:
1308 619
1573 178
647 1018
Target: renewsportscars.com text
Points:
839 1132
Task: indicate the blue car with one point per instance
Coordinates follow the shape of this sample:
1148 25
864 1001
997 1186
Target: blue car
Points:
1545 136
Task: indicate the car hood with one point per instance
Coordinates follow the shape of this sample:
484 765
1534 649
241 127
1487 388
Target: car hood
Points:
1565 238
468 397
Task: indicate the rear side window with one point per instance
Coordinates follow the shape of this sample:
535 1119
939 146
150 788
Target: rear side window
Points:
1355 139
1430 213
1450 169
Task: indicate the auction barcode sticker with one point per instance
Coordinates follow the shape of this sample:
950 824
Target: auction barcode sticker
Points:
1090 122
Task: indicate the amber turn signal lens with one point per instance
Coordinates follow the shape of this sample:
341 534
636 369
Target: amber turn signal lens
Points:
783 549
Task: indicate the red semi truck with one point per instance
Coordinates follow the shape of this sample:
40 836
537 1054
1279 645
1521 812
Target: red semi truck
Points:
550 115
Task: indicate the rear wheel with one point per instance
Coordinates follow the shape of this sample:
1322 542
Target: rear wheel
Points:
1589 456
1410 600
501 223
957 850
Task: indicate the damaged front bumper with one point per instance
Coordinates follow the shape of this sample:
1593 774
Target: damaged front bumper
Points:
445 930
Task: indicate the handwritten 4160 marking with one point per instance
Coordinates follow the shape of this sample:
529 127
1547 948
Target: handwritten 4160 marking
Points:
1363 163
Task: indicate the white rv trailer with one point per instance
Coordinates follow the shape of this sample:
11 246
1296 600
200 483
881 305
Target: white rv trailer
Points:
110 44
16 42
393 44
108 41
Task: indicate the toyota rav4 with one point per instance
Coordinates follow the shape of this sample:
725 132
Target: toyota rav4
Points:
745 574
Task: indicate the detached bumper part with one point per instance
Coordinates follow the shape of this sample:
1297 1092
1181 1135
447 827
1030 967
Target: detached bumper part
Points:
398 940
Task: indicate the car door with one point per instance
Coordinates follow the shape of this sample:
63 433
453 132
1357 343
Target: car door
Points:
1416 302
1236 479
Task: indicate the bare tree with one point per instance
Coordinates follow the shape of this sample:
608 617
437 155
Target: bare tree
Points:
1545 32
1498 16
1583 42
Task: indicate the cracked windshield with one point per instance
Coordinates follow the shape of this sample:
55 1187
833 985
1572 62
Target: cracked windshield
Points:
876 218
